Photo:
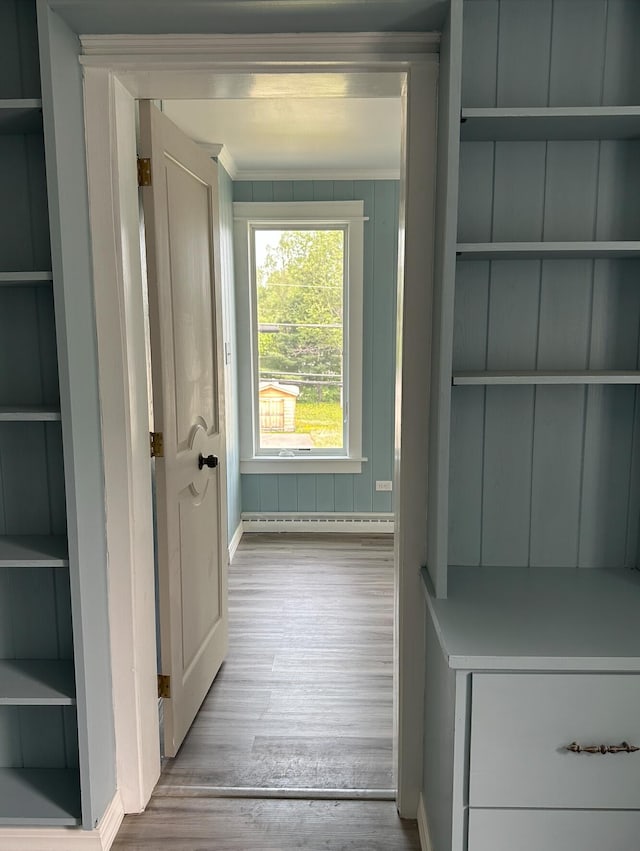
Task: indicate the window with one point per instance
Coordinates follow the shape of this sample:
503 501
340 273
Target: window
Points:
299 269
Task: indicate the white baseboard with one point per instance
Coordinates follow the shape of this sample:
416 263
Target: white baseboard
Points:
358 523
423 827
66 838
235 540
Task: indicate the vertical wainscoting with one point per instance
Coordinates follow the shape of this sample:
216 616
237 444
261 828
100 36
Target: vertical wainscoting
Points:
547 476
225 188
346 492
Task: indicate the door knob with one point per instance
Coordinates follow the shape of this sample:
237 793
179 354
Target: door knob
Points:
208 461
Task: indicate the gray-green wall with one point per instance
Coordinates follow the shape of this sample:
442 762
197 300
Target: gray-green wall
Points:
346 492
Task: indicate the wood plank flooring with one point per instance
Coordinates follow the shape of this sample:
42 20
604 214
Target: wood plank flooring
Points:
305 696
222 824
303 701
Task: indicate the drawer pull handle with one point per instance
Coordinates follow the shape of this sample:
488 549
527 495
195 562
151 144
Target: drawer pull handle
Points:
624 747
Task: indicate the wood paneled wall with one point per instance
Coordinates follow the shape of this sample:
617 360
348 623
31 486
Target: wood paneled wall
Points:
35 603
547 476
551 53
19 65
346 492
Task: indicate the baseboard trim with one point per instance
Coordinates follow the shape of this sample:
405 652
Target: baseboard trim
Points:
423 827
66 838
235 540
357 523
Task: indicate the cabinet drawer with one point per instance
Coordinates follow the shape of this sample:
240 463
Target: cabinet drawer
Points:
521 725
554 830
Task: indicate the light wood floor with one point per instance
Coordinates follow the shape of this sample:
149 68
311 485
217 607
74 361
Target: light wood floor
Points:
303 701
219 824
305 697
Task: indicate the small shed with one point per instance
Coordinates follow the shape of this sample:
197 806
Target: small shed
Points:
277 406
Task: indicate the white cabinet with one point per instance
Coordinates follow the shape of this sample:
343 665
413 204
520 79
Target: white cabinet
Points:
522 672
522 725
560 830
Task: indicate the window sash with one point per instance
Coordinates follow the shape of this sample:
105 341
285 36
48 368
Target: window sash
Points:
287 451
347 215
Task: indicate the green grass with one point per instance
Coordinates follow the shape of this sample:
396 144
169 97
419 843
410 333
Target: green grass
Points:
322 421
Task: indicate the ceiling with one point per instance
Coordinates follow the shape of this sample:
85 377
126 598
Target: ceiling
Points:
251 16
298 138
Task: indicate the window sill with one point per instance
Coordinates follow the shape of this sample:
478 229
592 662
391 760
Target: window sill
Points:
326 464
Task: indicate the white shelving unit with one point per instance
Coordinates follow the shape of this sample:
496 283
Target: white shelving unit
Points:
12 279
37 682
39 797
547 250
39 758
534 466
20 115
24 414
539 377
33 551
550 123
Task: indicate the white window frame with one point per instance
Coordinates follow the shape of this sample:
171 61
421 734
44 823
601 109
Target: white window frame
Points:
344 215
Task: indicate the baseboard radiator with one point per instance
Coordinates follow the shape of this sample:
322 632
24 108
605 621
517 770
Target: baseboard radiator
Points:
357 523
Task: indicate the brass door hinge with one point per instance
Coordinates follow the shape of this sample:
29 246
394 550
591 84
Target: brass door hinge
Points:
156 444
164 685
144 171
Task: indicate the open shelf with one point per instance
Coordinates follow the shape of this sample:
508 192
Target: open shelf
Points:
551 123
12 279
600 376
39 796
545 250
33 551
36 682
29 413
20 116
539 618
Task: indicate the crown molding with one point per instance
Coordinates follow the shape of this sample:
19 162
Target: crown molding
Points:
222 154
318 174
223 48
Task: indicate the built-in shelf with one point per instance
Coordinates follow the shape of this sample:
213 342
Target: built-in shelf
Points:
20 116
539 618
28 413
545 250
39 796
36 682
12 279
590 376
552 123
33 551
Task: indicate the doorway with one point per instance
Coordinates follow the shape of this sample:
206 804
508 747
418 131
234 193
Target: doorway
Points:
110 93
326 339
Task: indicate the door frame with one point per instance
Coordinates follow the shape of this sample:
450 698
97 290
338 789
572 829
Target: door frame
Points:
117 71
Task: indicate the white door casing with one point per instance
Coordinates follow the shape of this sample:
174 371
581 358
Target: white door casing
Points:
188 390
117 70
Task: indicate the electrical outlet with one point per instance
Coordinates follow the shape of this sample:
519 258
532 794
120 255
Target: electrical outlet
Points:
384 486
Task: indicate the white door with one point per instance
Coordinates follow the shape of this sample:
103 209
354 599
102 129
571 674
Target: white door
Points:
180 211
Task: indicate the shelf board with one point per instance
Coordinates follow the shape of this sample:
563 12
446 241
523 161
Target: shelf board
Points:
33 551
590 376
37 682
12 279
539 618
28 413
39 796
20 116
551 123
545 250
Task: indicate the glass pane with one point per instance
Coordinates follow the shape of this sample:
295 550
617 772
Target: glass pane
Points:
300 283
